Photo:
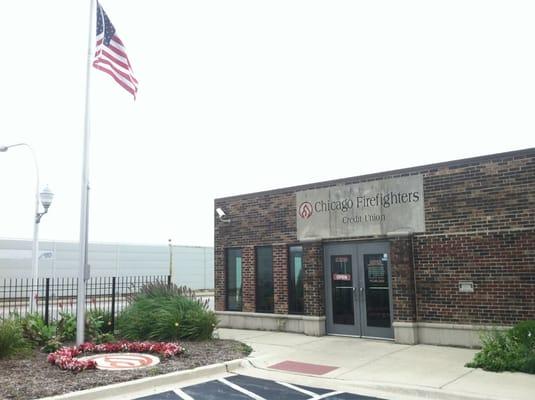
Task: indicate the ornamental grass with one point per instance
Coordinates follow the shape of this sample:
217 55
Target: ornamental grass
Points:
12 341
166 313
512 350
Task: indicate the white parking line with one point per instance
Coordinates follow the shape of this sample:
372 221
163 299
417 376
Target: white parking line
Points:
240 389
298 389
183 395
324 396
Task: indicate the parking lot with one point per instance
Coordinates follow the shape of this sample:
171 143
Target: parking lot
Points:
242 387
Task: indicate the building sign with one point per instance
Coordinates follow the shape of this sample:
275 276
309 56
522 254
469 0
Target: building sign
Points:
364 209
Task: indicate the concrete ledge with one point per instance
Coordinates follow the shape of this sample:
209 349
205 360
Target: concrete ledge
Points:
441 333
309 325
405 332
132 387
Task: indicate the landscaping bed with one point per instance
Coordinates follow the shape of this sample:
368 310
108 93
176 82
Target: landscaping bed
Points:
32 377
161 319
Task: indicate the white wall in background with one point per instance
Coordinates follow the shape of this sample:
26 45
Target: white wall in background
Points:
193 265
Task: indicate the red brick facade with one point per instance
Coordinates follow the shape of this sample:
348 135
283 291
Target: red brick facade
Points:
403 293
249 278
314 290
280 278
480 227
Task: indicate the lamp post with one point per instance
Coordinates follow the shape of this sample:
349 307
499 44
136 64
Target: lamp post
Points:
45 197
170 279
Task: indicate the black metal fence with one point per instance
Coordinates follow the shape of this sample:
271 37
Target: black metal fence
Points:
56 295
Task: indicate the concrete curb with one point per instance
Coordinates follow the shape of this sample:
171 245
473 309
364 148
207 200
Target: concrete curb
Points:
131 387
383 387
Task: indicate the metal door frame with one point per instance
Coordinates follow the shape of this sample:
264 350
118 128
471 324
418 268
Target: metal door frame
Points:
356 250
330 250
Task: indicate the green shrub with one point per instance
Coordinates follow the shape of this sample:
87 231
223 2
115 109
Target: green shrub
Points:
104 320
98 327
524 333
512 350
66 326
52 345
97 323
161 312
105 338
36 331
93 325
244 348
50 337
12 341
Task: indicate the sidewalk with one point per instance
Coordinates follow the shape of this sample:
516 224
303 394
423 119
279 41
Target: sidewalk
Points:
433 372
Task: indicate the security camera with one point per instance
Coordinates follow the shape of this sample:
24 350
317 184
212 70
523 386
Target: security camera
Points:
222 215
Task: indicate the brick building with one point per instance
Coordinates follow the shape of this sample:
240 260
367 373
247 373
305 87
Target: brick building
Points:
430 254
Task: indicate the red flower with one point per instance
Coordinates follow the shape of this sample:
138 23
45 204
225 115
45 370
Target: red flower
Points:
64 358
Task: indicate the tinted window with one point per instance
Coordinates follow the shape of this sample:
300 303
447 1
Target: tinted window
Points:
295 281
264 279
234 280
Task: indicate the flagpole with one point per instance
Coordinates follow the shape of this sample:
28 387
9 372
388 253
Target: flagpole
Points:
83 267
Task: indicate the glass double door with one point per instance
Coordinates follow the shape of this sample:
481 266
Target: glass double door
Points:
358 289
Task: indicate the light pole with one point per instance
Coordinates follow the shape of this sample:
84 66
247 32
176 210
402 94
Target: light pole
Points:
170 279
45 197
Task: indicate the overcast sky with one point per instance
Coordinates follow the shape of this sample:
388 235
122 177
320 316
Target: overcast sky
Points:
244 96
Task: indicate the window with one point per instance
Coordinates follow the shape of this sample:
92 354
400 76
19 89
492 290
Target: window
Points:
295 281
234 282
264 279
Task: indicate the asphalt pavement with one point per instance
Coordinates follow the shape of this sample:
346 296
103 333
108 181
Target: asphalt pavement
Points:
242 387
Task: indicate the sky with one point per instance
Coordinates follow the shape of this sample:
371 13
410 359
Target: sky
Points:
244 96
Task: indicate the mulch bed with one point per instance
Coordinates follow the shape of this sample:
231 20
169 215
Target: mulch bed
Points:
33 377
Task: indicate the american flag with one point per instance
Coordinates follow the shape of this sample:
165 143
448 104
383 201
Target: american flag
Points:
110 54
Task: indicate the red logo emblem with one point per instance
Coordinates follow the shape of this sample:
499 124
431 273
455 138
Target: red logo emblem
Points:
305 210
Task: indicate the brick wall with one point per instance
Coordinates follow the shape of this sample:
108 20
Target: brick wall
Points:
480 226
249 278
480 220
219 277
403 293
501 266
313 286
280 278
495 195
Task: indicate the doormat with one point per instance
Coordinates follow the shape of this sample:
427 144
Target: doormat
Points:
303 368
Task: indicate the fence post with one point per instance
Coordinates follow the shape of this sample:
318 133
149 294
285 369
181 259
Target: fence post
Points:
169 280
113 303
47 299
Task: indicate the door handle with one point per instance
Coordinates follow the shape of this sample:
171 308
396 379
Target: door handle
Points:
344 287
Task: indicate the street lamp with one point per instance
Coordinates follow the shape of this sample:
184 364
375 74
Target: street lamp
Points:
45 197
